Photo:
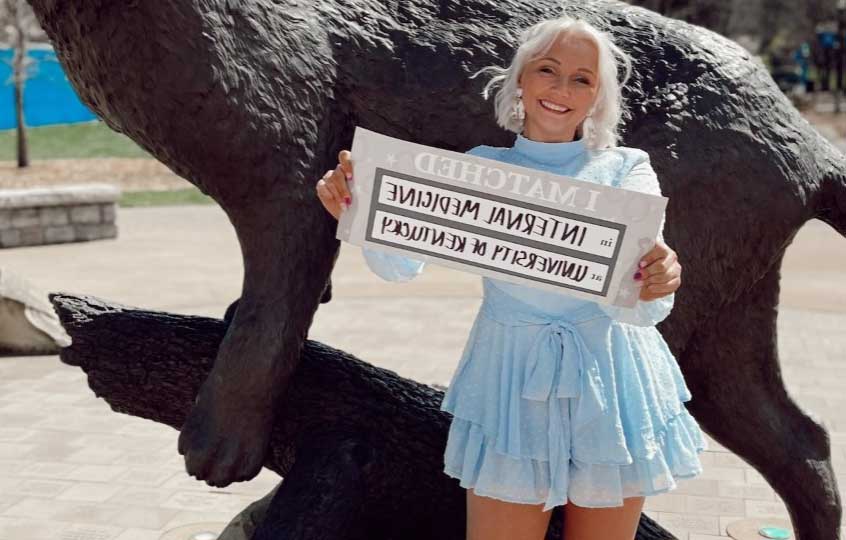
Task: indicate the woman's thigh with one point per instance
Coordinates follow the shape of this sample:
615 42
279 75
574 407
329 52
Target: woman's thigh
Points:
615 523
492 519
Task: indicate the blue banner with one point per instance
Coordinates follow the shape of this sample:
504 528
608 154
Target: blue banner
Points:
48 95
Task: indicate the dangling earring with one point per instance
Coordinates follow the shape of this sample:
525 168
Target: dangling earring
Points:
588 118
518 112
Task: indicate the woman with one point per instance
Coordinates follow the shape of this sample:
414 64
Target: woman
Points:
557 400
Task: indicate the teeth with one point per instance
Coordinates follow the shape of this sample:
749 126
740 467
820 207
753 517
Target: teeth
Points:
553 106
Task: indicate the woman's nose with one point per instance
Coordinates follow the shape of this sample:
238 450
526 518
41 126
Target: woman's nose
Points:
562 89
562 86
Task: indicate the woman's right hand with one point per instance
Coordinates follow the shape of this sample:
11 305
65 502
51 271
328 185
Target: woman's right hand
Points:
332 189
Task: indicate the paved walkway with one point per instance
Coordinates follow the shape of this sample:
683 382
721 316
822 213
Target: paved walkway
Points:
72 469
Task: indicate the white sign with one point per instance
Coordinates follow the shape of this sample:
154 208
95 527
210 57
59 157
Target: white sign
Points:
499 220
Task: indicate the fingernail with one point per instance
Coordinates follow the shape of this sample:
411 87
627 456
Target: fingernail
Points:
637 275
642 264
349 176
347 200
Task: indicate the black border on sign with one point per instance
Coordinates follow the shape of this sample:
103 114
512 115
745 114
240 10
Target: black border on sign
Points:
380 172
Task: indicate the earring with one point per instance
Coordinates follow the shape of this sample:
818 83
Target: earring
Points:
588 123
589 129
518 112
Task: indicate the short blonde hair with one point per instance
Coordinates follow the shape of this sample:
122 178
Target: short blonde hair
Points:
601 128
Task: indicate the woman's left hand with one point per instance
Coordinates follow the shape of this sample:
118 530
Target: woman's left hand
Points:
661 272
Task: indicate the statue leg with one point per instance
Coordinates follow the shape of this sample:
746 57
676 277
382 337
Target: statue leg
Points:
739 398
289 249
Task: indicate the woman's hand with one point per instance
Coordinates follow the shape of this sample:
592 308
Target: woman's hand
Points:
660 273
332 189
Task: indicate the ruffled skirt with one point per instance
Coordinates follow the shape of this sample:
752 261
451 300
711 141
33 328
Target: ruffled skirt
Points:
572 406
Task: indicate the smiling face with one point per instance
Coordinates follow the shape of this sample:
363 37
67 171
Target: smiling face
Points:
559 89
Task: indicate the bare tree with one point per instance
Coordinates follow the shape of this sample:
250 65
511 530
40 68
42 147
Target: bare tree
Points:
27 21
19 20
20 26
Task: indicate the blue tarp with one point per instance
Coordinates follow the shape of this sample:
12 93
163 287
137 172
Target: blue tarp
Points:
48 95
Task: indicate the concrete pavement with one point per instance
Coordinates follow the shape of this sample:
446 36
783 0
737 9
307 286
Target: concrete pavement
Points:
71 468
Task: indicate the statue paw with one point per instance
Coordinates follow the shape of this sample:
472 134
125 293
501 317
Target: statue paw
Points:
224 440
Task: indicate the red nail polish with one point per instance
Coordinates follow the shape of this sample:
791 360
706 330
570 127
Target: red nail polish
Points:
347 200
638 275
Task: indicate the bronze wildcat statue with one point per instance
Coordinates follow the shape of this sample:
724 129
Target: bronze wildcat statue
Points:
252 100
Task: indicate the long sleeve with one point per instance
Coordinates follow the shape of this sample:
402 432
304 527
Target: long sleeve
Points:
391 266
642 178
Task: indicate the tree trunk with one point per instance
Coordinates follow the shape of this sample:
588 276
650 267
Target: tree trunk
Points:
360 447
18 67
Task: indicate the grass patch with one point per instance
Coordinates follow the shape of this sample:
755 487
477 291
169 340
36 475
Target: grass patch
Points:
70 141
164 198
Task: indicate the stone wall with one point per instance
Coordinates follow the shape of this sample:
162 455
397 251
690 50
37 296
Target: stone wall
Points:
31 217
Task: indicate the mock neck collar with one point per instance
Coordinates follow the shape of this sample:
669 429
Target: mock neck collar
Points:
553 153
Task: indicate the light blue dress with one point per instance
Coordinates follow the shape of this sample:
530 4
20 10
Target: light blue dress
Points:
557 398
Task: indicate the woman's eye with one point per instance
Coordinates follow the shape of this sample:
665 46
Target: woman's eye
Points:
583 81
546 69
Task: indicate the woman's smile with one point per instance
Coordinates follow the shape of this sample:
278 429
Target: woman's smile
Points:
553 107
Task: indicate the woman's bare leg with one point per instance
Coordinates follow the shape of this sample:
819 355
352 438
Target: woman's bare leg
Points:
615 523
492 519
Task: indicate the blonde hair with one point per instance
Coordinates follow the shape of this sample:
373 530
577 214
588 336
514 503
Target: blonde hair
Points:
601 127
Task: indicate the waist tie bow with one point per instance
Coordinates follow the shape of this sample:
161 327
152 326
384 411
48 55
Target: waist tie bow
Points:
559 349
558 357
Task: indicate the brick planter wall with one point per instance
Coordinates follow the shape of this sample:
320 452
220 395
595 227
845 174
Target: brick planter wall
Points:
54 215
